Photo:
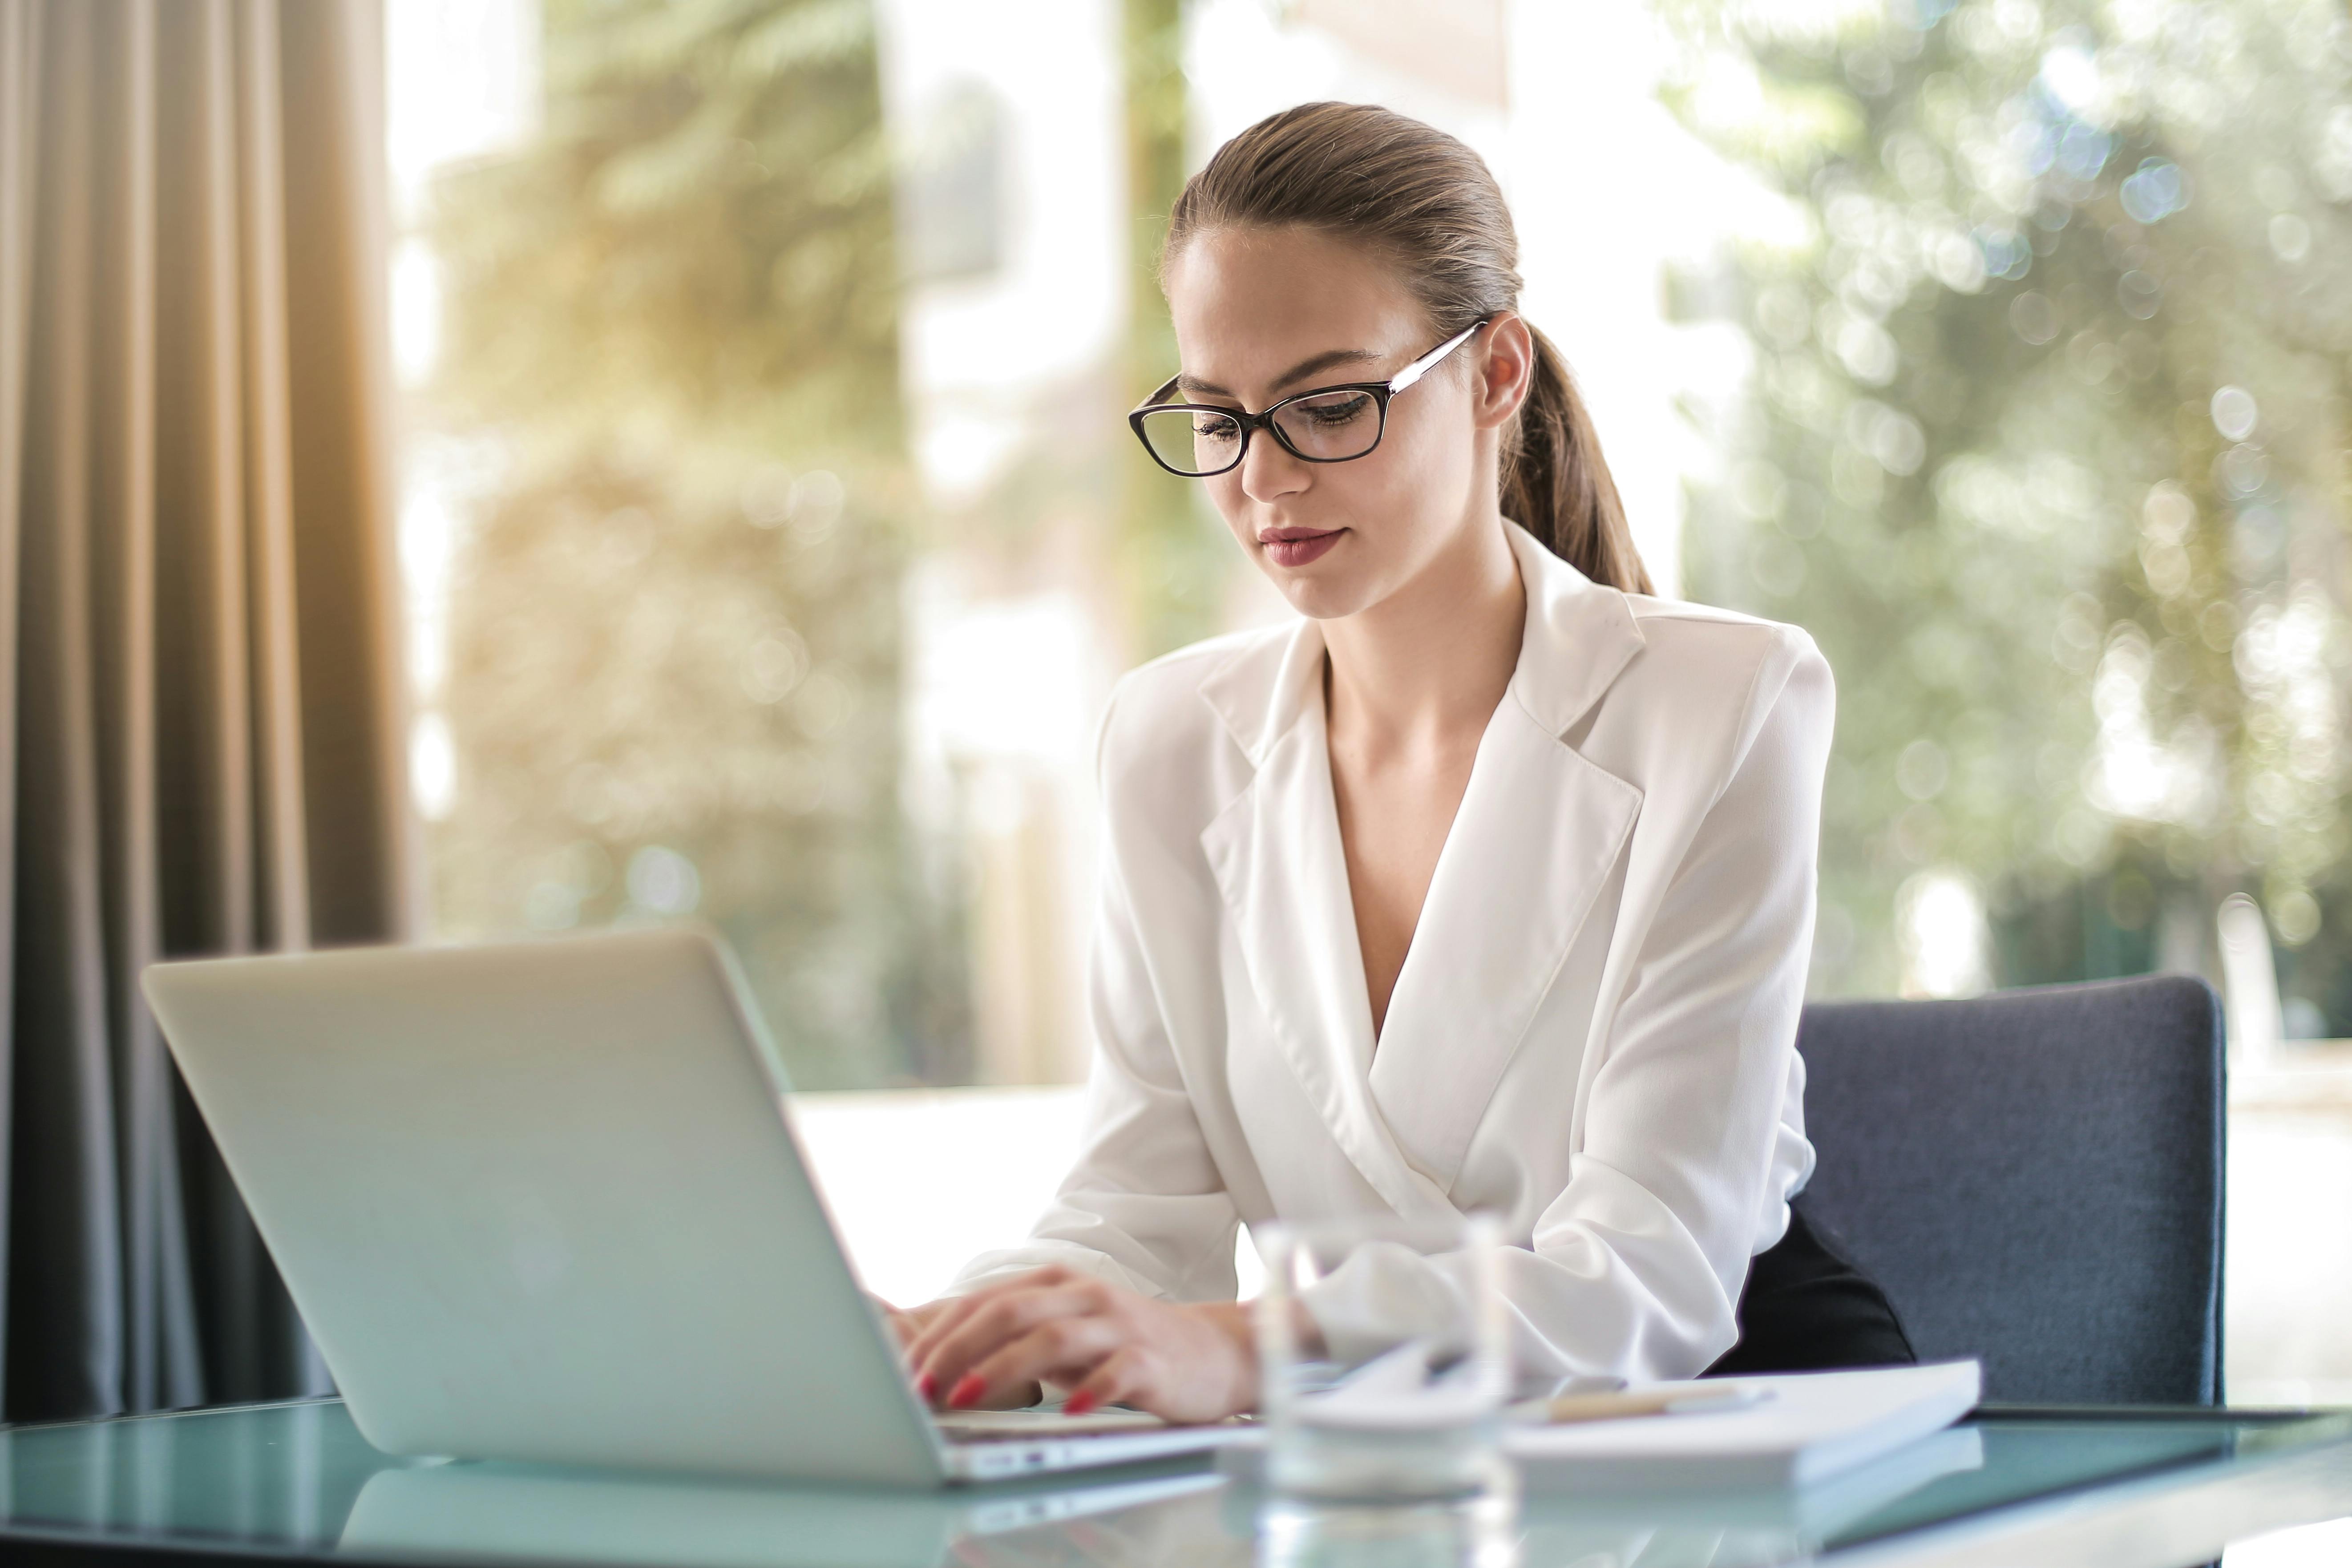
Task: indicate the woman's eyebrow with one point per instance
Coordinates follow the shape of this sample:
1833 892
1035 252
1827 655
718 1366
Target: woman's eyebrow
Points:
1329 359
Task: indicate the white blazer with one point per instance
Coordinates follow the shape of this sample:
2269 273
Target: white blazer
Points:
1593 1031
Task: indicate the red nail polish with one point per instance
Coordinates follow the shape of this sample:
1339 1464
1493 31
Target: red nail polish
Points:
967 1391
1080 1403
925 1388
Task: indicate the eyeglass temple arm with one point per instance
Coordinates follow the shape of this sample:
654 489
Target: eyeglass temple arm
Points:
1159 396
1421 366
1403 378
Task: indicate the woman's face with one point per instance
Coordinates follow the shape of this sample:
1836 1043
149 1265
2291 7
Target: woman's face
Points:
1260 314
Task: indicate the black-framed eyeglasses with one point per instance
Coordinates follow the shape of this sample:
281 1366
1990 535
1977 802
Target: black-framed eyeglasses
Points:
1327 424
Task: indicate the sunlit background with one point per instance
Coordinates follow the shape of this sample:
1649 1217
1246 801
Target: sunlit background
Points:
773 537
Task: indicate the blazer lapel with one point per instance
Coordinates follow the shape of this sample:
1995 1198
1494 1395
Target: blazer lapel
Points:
1274 850
1531 846
1539 829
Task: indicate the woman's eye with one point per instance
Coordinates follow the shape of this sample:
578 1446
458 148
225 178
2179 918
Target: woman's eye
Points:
1212 428
1337 410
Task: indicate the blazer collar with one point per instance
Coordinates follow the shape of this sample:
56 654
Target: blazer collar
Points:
1579 636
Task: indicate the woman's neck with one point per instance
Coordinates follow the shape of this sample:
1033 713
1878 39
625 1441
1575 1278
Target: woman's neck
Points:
1432 659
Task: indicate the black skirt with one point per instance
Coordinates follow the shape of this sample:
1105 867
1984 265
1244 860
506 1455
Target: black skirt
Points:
1806 1308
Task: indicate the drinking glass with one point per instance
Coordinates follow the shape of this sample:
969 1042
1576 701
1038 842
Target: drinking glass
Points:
1383 1353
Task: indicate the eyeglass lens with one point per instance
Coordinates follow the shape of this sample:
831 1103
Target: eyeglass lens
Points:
1330 427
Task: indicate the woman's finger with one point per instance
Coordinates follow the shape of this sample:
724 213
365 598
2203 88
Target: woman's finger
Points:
945 1316
993 1325
1064 1350
1182 1364
1114 1380
929 1334
946 1355
958 1309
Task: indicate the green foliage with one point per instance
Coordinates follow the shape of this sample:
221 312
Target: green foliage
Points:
2088 627
699 238
1175 561
675 645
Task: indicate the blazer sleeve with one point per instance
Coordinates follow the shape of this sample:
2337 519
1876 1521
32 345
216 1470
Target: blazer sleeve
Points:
1639 1263
1145 1207
1635 1268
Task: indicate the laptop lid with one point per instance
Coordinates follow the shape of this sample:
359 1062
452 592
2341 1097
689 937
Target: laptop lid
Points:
539 1201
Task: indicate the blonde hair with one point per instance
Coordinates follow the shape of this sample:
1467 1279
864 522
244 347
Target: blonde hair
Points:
1367 174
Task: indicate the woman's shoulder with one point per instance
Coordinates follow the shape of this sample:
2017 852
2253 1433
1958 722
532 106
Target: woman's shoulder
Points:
1705 686
1689 618
1164 714
1708 648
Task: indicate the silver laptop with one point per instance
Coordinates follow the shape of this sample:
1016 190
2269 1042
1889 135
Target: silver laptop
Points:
541 1202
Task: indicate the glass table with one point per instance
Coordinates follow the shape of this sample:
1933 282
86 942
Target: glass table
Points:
296 1480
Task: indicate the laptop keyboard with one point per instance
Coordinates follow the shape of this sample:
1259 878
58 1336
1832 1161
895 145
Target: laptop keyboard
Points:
1018 1426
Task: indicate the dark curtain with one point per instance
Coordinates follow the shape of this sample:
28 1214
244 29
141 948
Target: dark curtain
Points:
200 709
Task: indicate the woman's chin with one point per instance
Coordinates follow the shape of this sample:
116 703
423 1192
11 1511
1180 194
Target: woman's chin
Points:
1321 597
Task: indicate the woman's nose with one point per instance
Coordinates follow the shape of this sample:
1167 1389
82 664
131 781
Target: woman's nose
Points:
1270 471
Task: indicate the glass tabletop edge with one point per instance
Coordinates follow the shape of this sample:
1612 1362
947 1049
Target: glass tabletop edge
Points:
2219 1414
51 1423
2086 1500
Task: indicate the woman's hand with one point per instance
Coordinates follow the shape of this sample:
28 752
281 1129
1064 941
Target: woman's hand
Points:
907 1322
1184 1362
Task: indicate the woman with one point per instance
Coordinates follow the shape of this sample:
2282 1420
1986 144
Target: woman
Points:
1488 884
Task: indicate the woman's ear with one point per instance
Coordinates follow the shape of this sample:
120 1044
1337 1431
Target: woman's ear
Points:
1504 370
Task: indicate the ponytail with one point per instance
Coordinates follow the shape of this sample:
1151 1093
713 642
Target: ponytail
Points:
1556 485
1369 174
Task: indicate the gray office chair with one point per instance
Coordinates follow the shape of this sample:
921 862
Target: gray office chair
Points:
2034 1178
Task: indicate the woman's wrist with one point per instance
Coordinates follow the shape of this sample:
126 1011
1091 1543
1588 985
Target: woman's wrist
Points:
1235 1319
1235 1322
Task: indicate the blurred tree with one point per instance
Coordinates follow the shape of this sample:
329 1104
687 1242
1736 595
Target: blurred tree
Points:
2046 447
674 640
1157 562
1176 562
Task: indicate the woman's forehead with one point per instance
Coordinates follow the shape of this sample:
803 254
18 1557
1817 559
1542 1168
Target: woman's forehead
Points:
1251 306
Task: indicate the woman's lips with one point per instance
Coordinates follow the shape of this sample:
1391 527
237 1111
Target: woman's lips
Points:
1297 546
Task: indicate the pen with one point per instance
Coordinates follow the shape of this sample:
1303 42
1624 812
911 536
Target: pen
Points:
1573 1407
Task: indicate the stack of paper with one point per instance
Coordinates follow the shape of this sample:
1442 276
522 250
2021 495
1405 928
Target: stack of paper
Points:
1812 1425
1764 1524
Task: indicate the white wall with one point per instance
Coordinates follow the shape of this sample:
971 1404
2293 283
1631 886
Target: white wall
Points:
919 1182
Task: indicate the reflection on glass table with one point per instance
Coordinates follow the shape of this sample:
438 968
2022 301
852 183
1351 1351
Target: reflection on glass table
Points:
272 1481
499 1511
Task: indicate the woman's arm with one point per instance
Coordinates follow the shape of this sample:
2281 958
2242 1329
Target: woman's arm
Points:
1144 1212
1095 1300
1636 1266
1144 1205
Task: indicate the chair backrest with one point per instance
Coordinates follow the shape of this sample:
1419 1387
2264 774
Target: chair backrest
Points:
2035 1179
